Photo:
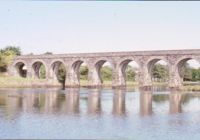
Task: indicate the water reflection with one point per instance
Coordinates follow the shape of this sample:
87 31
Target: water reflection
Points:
145 103
175 99
56 102
94 101
72 100
119 105
47 113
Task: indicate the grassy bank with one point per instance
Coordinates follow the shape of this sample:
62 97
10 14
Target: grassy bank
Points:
18 82
190 88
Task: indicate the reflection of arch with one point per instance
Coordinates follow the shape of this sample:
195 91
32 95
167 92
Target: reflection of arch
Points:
36 68
98 66
21 68
54 68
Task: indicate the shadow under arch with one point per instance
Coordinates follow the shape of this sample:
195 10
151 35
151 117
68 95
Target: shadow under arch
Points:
21 69
99 65
77 71
39 69
158 70
184 64
58 71
123 66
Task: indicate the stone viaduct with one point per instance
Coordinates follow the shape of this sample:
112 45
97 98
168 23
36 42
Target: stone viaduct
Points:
94 61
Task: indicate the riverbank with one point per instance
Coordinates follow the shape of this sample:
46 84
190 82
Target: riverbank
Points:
19 82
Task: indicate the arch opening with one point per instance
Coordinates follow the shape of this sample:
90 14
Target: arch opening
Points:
80 69
189 71
104 70
83 74
58 71
21 69
130 71
158 70
39 70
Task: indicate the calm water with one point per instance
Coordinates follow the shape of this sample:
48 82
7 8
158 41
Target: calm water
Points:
93 113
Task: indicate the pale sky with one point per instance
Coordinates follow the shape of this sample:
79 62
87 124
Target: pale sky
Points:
101 26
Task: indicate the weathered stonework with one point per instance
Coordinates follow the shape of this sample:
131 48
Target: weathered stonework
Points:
94 62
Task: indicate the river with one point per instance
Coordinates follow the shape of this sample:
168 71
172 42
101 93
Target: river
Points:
99 113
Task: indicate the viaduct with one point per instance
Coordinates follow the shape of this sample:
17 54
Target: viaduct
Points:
94 61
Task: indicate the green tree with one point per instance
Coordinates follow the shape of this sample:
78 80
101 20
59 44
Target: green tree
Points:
48 53
185 72
130 73
14 49
83 72
160 72
42 72
6 57
106 73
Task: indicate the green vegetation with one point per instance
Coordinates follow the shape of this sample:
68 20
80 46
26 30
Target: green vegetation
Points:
190 88
190 74
42 72
130 74
20 82
6 56
160 73
83 73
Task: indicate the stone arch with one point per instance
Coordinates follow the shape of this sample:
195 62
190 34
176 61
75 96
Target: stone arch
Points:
20 68
151 63
180 63
186 58
55 69
98 66
36 65
75 67
123 66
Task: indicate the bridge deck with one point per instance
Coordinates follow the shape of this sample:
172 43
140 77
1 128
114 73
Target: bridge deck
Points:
106 54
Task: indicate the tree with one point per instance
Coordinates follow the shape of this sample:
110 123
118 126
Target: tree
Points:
48 53
6 57
42 72
130 73
14 49
83 72
106 73
160 72
185 72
